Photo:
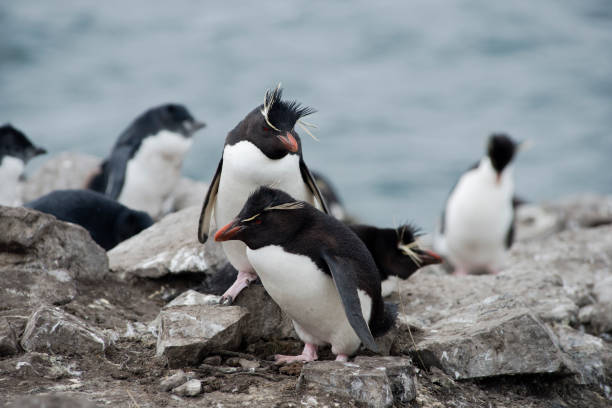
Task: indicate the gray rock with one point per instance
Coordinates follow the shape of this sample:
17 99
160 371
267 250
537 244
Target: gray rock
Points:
66 170
495 337
52 330
173 381
536 222
591 357
35 241
190 389
372 381
193 298
601 315
583 211
188 333
170 246
52 401
38 365
266 320
8 340
189 193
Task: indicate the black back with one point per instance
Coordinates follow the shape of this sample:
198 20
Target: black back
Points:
172 117
107 221
15 143
308 231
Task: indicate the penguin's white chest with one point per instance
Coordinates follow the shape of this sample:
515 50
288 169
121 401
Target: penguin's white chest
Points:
245 168
151 175
478 216
11 169
308 295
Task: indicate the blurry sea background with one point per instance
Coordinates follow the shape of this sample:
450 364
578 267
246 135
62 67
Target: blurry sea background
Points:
406 92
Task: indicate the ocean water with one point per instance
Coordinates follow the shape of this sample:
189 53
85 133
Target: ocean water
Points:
406 92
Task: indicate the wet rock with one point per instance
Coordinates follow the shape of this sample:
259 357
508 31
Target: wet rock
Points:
68 170
372 381
52 330
170 246
495 337
190 389
189 193
8 340
173 381
30 240
266 320
188 333
591 357
52 401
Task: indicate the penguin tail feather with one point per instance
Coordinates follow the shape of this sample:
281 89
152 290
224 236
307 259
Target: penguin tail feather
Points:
388 320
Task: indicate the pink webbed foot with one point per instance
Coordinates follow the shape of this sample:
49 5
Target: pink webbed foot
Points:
242 281
308 354
460 272
342 357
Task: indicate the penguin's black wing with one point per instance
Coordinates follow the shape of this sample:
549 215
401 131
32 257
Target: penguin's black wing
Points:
309 180
342 271
209 204
443 216
116 165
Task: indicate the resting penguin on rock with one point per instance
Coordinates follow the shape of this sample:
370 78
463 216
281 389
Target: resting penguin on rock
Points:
107 221
316 269
145 163
477 225
263 149
396 252
15 152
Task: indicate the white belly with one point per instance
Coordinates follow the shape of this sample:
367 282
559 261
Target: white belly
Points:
308 296
153 173
11 168
245 168
478 216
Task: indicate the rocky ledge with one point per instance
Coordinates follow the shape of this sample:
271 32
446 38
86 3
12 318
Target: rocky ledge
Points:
79 331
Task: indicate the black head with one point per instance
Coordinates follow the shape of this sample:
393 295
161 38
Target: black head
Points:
14 143
271 126
172 117
396 251
501 150
131 222
269 217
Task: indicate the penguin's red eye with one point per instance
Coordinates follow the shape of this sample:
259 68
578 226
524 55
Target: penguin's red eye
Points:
266 129
257 221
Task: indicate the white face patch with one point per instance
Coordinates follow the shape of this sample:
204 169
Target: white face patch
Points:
154 171
308 296
11 168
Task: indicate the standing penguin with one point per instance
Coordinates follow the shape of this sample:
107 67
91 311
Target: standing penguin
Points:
15 152
477 225
396 252
263 149
316 269
145 163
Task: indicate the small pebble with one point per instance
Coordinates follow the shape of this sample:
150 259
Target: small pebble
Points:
212 360
173 381
244 363
190 389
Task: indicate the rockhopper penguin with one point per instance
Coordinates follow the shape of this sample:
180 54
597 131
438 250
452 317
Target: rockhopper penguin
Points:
316 269
15 152
145 163
262 150
477 225
396 252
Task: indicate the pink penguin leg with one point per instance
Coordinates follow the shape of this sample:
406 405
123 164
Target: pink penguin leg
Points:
243 280
308 354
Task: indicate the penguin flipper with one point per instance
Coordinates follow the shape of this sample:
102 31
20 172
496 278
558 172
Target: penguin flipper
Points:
312 186
342 271
209 204
117 166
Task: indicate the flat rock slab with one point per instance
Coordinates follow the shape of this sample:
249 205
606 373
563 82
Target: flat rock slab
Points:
68 170
490 339
372 381
188 333
39 365
52 401
52 330
170 246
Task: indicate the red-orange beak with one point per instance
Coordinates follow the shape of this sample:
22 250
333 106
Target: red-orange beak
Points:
228 232
429 257
289 142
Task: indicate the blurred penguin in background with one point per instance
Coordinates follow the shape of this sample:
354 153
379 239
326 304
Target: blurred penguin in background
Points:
477 225
15 152
145 164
